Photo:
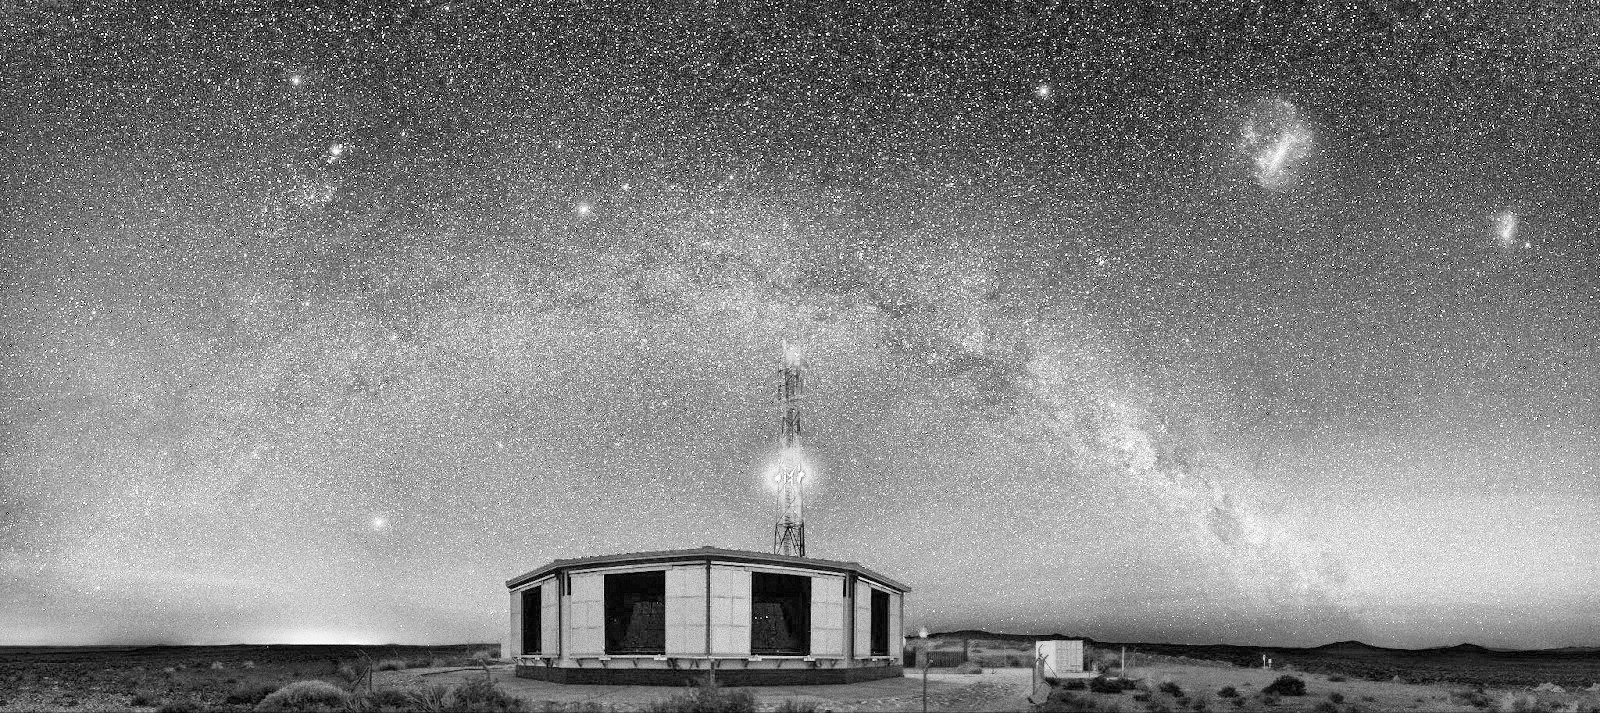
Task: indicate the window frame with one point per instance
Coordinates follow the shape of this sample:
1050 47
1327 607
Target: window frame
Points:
879 623
533 622
613 590
801 610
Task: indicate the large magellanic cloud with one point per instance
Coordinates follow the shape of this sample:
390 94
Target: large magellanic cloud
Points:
1275 142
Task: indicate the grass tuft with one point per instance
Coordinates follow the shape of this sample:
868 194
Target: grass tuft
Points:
1524 703
250 693
705 698
480 694
1063 701
311 695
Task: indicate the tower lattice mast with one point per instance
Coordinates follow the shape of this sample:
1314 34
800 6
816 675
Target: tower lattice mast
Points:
789 534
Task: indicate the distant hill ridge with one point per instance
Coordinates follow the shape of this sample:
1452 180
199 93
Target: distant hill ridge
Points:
1346 648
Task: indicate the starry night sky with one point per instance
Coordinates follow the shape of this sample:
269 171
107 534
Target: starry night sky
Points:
1204 324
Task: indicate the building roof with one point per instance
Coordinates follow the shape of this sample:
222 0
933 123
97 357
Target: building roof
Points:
700 554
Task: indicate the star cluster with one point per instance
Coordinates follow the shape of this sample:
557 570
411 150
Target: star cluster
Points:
1202 323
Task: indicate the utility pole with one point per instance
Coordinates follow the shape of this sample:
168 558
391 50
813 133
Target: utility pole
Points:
926 659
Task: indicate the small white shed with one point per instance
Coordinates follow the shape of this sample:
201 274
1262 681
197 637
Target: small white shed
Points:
1062 658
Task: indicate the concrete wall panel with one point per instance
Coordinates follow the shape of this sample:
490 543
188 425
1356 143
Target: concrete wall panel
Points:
897 611
863 621
513 641
730 611
588 620
686 610
550 618
827 615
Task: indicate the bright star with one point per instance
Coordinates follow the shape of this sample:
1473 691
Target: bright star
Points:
584 209
1043 92
379 523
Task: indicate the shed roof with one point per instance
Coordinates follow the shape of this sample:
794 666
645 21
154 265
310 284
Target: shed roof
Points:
700 554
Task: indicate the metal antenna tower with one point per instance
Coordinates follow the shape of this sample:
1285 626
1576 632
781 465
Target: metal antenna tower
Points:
789 534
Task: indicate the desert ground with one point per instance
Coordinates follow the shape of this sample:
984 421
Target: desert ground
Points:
241 678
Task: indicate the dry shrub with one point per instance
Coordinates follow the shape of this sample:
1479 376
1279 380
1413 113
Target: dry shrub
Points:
1101 684
383 700
430 698
706 698
1062 701
248 664
969 667
350 673
480 694
250 693
1286 686
1524 703
216 665
306 696
391 665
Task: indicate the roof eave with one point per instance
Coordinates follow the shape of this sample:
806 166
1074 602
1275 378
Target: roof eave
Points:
698 554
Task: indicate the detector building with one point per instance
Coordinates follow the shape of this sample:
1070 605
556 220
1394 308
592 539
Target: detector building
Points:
663 618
